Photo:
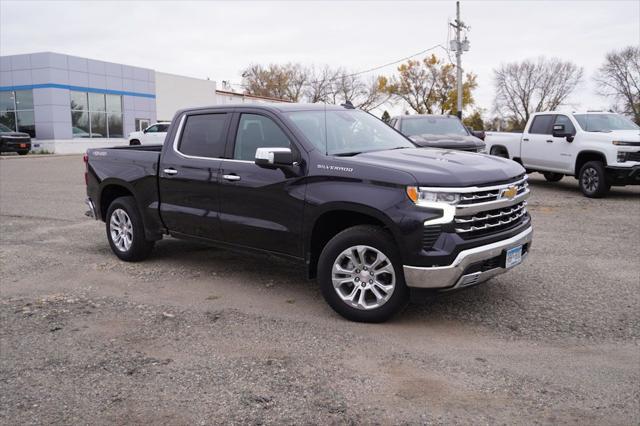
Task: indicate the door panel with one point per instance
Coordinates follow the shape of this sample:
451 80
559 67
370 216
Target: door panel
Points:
535 142
261 208
189 175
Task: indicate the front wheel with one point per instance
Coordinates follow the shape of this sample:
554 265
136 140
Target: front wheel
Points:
593 180
553 177
499 152
134 142
360 274
23 152
125 230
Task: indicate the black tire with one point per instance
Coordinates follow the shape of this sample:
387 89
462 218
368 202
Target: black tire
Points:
139 247
553 177
133 142
593 180
380 240
499 152
23 152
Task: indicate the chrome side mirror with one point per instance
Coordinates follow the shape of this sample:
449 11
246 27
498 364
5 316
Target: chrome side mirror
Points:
274 157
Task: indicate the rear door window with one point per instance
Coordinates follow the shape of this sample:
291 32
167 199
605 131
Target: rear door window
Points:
204 135
541 125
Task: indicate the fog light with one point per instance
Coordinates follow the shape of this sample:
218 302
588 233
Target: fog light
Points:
622 157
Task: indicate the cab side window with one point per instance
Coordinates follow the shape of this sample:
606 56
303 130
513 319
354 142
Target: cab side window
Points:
152 129
204 135
257 131
541 125
568 125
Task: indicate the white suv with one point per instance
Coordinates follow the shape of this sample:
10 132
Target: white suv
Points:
152 135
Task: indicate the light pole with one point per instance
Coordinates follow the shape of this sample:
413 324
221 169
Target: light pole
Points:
459 46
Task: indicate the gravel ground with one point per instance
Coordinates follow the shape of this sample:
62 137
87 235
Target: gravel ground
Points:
198 335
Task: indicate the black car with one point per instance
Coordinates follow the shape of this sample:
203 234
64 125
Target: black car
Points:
370 215
438 131
11 141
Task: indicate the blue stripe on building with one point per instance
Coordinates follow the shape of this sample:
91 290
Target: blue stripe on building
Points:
77 88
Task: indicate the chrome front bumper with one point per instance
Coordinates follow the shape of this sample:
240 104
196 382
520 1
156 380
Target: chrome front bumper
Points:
92 208
451 277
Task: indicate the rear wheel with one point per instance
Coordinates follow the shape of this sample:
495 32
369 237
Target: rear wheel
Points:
593 180
361 276
125 230
553 177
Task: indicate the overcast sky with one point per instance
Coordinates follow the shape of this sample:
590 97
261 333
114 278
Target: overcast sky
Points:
218 39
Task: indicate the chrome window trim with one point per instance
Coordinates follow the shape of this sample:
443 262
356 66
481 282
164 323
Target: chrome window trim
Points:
178 136
467 189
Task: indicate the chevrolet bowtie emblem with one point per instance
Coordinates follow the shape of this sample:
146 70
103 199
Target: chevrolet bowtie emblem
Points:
510 192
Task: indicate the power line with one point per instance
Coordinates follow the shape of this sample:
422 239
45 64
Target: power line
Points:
422 52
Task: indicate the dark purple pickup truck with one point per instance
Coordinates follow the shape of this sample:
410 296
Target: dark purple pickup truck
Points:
371 215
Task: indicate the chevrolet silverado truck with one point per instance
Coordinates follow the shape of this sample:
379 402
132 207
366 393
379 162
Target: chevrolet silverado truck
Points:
438 131
600 149
370 214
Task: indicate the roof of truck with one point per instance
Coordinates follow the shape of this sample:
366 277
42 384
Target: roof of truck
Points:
274 107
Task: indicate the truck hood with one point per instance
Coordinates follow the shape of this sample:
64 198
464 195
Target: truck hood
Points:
443 167
447 141
624 135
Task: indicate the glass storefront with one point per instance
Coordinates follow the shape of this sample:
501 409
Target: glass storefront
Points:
16 111
96 115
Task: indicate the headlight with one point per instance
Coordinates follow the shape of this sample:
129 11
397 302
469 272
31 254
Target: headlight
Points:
444 201
624 143
428 198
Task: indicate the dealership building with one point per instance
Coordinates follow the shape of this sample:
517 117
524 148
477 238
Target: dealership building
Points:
68 103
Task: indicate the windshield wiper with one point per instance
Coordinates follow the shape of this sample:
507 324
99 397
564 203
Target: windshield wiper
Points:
347 154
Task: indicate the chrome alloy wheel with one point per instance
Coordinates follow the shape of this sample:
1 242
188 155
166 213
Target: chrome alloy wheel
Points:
590 179
363 277
121 230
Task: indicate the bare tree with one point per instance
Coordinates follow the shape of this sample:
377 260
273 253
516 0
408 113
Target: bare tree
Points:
320 85
277 81
363 94
523 88
619 78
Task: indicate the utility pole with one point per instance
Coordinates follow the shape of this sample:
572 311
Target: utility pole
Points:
458 46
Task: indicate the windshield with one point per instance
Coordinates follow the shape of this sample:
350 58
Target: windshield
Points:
4 128
604 122
433 126
347 132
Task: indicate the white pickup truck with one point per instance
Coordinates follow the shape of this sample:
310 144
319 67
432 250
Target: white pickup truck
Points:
600 149
152 135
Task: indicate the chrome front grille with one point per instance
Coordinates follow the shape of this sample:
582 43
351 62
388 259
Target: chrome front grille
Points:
494 193
490 221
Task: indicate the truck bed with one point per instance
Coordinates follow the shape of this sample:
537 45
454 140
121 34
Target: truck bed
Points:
134 168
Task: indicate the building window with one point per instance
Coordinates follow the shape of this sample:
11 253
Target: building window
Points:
142 123
16 111
96 115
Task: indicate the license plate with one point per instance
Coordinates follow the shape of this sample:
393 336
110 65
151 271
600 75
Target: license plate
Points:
23 145
514 257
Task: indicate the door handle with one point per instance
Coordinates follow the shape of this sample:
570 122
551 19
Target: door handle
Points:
549 140
526 139
170 172
231 177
